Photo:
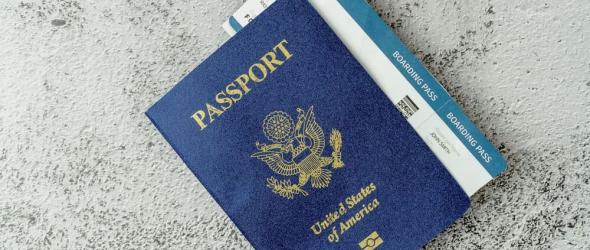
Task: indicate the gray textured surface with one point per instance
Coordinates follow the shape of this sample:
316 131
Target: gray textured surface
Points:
81 167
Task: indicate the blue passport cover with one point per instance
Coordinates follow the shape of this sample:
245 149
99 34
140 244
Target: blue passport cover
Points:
300 147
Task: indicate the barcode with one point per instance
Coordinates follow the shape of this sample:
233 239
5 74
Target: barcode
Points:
407 107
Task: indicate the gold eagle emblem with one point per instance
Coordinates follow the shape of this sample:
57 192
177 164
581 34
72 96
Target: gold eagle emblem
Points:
296 149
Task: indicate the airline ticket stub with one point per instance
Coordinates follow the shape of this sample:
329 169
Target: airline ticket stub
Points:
245 15
441 123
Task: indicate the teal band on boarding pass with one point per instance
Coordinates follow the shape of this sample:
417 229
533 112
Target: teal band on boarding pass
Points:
234 24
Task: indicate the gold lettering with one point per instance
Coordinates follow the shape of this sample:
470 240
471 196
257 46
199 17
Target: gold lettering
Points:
199 116
253 76
243 82
213 111
221 98
270 60
283 49
316 228
238 88
233 92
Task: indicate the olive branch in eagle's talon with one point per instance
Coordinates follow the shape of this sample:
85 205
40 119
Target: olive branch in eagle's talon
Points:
284 188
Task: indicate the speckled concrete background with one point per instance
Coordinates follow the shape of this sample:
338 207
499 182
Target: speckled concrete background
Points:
82 167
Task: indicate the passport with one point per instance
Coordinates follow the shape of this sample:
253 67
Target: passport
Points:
300 147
